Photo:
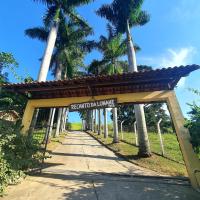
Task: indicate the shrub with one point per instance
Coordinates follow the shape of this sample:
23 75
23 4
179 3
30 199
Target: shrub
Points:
194 127
18 153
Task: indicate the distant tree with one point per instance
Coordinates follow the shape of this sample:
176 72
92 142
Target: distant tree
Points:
112 47
10 101
7 62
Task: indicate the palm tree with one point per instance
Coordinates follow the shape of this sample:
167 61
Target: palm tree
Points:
112 48
58 11
123 15
54 7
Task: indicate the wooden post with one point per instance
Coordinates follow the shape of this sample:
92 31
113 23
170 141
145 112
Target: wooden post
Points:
27 118
160 137
135 131
191 160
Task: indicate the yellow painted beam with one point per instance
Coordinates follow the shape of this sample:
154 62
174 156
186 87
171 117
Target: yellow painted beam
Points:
27 117
192 162
121 98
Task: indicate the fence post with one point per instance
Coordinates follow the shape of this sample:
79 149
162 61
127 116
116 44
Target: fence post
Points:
121 129
160 136
135 131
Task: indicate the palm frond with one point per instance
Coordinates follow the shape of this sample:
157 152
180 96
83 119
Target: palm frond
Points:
40 33
50 15
142 18
75 3
121 11
107 12
78 20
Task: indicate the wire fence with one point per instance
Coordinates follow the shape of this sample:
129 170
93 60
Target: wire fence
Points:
170 143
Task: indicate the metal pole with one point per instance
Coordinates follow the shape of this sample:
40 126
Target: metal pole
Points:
121 127
160 137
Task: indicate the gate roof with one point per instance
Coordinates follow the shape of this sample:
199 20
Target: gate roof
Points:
143 81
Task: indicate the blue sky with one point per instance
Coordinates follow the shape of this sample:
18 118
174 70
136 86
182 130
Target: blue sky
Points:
171 38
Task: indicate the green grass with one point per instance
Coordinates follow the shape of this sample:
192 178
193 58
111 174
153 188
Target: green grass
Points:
171 145
54 142
76 126
171 165
39 135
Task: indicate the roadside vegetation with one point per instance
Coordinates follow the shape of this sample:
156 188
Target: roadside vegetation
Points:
18 154
53 142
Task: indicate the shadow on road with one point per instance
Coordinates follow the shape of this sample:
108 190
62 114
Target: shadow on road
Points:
86 186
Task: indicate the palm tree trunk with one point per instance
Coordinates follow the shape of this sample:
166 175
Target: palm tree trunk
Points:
58 77
131 51
44 68
65 119
92 120
144 146
62 119
48 52
48 126
99 124
58 122
52 120
115 126
95 116
105 123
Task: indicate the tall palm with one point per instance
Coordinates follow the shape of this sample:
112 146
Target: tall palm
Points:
68 57
123 15
70 48
112 48
57 10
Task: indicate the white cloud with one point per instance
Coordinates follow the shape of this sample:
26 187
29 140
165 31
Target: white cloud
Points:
177 57
171 58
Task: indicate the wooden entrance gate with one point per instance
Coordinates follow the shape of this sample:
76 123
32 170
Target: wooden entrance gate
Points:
138 87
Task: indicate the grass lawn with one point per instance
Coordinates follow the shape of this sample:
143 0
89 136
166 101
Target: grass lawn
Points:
76 126
173 166
39 135
171 145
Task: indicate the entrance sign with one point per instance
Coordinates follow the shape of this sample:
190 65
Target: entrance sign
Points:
107 103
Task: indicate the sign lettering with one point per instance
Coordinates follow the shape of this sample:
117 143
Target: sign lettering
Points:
108 103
